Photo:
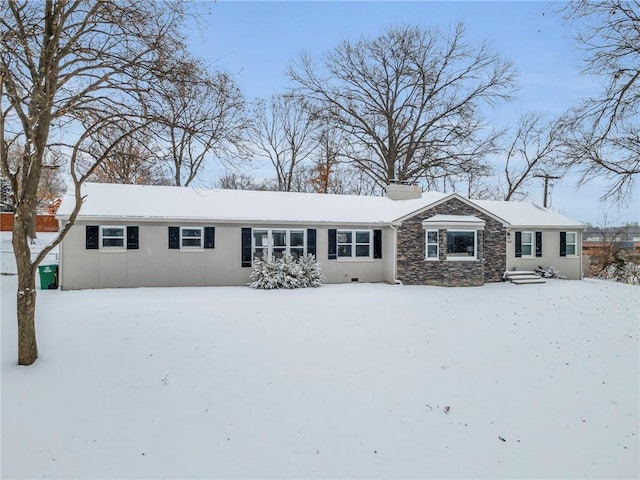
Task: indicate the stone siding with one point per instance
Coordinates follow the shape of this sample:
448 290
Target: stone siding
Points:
413 269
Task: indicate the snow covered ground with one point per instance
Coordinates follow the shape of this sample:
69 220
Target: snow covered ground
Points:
343 381
7 259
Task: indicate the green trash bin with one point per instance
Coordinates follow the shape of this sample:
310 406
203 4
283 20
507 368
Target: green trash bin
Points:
48 277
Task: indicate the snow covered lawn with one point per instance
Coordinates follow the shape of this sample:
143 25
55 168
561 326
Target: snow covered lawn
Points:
343 381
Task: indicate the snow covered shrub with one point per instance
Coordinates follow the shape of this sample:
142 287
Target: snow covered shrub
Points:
311 273
626 273
286 272
548 272
263 274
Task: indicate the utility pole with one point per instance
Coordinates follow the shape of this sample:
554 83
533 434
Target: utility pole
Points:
546 177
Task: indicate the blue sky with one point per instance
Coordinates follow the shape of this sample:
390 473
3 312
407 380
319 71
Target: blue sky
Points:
255 41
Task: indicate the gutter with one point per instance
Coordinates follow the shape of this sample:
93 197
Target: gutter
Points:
395 255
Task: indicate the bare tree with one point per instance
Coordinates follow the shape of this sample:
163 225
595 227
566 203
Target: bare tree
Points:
535 149
282 131
240 181
69 70
409 100
201 115
133 160
605 140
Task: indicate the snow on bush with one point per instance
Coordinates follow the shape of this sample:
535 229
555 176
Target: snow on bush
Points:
286 272
548 272
626 272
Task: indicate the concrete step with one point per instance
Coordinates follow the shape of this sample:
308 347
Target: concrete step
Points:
527 281
529 276
518 273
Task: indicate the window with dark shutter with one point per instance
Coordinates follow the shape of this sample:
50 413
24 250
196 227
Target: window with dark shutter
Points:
91 237
538 244
246 247
132 238
563 244
377 244
311 241
333 244
174 238
209 237
518 244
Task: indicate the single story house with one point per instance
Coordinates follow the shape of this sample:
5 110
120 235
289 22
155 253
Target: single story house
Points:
146 236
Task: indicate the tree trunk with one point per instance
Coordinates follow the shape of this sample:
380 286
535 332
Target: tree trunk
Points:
26 295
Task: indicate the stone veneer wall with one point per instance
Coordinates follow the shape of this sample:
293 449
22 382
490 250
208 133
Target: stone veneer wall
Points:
413 269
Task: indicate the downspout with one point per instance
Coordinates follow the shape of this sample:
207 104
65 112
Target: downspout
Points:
60 226
507 238
395 255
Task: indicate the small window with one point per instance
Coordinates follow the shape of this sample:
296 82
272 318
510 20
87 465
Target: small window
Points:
461 245
432 245
112 237
191 237
354 243
526 244
572 243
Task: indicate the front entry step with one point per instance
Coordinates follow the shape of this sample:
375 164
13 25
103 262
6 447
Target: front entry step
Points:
523 277
525 281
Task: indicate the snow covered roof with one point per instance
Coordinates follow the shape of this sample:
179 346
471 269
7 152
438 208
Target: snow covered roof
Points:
527 214
113 201
237 206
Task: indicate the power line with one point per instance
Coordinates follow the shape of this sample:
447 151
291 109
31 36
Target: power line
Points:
546 177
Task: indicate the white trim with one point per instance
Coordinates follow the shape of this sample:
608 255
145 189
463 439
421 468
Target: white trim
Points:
192 248
112 248
354 244
426 245
464 258
575 243
269 247
446 199
533 244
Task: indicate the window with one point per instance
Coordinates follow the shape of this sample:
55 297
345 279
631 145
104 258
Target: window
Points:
191 237
112 237
571 243
526 244
354 243
432 245
273 243
461 245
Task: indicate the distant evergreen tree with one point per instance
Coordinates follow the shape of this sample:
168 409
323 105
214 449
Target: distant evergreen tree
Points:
6 196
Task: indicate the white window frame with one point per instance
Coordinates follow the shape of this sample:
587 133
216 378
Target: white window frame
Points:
532 243
436 243
103 237
354 244
467 258
574 243
192 247
270 247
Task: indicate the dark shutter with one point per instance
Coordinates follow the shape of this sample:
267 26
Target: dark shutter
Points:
174 237
333 244
538 244
563 244
246 247
311 241
377 244
518 244
209 237
91 237
132 238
